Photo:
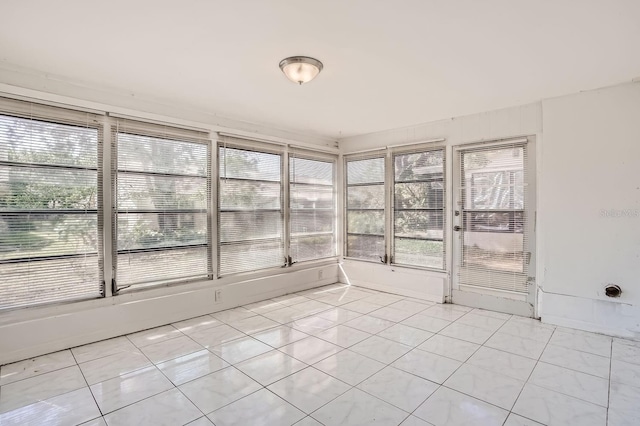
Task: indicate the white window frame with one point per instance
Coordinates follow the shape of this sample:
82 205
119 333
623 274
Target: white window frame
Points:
286 151
60 115
145 129
314 156
389 153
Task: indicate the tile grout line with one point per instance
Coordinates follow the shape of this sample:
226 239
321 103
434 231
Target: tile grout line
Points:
529 378
88 388
460 366
38 374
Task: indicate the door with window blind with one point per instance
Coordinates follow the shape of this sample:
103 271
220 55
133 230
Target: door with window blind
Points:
493 219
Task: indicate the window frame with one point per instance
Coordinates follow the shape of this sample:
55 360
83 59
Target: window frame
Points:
320 157
168 133
252 146
62 116
389 153
419 150
359 157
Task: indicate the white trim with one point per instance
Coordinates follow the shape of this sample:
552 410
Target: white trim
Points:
278 141
400 145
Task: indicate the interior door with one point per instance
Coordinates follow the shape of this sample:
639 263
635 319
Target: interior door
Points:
493 227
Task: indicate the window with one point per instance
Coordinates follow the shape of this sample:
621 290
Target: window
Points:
162 200
312 209
250 210
50 230
494 235
419 209
412 203
366 209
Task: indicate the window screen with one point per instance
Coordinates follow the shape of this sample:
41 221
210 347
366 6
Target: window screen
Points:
250 216
419 209
312 209
50 234
162 199
365 209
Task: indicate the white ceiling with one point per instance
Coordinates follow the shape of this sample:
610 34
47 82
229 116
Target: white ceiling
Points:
387 63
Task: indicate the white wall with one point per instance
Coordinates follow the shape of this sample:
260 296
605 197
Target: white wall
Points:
589 218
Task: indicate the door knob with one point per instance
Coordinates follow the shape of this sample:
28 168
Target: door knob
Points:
456 228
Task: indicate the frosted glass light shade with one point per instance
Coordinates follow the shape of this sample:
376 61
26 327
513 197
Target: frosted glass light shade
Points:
300 69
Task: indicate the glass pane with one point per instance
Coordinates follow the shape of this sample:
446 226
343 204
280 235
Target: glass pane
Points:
419 253
309 221
365 171
312 247
32 141
494 241
236 258
517 178
419 195
365 222
494 179
365 197
46 281
419 166
311 197
149 154
495 222
240 226
311 171
244 194
242 164
24 236
163 229
368 247
149 192
24 188
419 224
164 265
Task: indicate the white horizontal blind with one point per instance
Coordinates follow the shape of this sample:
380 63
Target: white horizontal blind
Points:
163 187
312 208
50 229
250 214
494 232
418 216
365 208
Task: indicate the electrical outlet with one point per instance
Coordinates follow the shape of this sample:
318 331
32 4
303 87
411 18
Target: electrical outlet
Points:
218 296
320 274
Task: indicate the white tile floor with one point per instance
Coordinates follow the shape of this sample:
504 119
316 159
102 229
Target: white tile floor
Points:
334 356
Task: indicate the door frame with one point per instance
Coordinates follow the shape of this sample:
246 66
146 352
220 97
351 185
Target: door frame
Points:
488 298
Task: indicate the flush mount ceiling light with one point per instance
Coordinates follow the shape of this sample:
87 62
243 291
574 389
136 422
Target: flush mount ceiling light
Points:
300 69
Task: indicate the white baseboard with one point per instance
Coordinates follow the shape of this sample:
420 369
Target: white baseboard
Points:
103 319
492 303
408 282
612 318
